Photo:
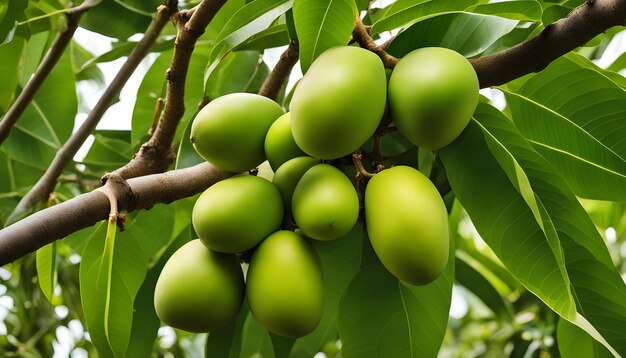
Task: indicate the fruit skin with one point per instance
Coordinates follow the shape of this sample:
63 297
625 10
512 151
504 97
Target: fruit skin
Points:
284 285
288 175
339 102
433 93
279 143
199 290
407 224
325 205
229 132
235 214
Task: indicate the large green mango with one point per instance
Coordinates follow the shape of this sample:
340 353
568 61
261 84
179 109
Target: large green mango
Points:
407 224
284 285
229 132
325 205
279 143
199 290
235 214
433 93
339 102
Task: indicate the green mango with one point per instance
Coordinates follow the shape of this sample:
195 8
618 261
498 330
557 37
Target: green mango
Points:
407 224
229 132
279 143
339 102
199 290
235 214
325 204
284 285
433 93
288 175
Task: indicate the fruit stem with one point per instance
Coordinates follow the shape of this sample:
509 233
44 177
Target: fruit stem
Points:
361 35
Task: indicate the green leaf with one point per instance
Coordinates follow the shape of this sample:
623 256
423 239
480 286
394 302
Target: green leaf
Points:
241 71
48 120
47 269
341 261
468 34
379 316
274 36
527 10
107 152
408 12
227 342
255 340
251 19
127 21
11 11
187 155
281 345
11 57
109 309
322 24
578 128
122 49
574 342
504 219
596 285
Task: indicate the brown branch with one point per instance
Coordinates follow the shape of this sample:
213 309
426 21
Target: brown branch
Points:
577 28
361 35
85 210
46 183
281 71
157 154
53 55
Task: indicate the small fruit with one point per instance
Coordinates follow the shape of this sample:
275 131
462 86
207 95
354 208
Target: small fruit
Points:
235 214
325 205
433 93
284 285
407 223
199 290
229 132
339 102
288 175
279 143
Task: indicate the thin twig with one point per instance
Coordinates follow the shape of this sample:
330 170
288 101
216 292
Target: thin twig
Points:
361 35
53 55
281 71
157 154
64 156
157 114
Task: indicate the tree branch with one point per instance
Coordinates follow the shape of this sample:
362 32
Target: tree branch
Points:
156 155
53 55
361 35
281 71
48 180
85 210
577 28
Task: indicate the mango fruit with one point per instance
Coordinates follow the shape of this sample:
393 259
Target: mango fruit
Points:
279 143
199 290
288 175
339 103
407 224
325 204
284 285
235 214
433 93
229 132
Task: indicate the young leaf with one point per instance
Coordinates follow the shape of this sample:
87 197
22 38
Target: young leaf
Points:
379 316
322 24
47 269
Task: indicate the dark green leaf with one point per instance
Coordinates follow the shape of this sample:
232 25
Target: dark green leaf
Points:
574 342
127 21
528 10
11 56
11 11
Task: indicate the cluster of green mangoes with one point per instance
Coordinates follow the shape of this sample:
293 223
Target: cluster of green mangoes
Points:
336 108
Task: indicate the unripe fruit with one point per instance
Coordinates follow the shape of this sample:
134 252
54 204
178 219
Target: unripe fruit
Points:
279 143
235 214
339 102
288 175
325 205
433 93
284 285
407 224
229 132
199 290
